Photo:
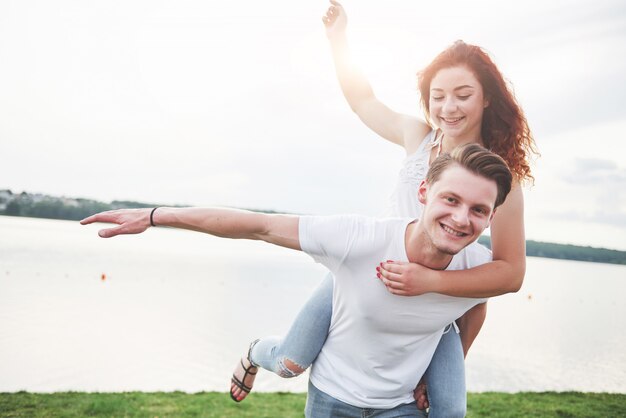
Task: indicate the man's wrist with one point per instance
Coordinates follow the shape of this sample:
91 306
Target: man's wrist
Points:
152 223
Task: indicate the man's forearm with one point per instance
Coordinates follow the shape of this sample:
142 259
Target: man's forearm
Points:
221 222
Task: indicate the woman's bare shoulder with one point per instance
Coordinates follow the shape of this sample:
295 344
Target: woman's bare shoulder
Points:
415 131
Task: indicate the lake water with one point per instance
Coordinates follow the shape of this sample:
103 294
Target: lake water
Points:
177 309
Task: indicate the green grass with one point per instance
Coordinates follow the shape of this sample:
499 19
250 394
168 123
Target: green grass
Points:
546 404
274 405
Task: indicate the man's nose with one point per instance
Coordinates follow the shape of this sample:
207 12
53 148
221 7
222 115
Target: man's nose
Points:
461 216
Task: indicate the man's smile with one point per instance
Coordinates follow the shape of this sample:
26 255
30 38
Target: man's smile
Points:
452 231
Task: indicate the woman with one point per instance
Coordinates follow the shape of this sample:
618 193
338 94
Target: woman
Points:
465 99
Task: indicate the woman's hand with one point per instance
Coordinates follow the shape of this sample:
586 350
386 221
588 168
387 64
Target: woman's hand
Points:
406 279
130 221
420 394
335 19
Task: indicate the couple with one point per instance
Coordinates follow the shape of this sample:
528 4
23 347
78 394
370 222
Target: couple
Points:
379 344
466 100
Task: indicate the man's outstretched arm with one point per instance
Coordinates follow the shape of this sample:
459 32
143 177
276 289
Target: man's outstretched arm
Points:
281 230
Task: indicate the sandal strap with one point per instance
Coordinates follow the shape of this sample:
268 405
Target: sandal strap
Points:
240 384
247 369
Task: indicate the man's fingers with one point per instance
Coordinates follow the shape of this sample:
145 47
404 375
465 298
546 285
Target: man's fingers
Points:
111 232
90 219
107 216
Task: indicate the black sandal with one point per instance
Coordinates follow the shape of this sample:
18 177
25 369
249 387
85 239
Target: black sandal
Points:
246 371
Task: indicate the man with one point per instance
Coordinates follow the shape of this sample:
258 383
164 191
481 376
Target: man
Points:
379 344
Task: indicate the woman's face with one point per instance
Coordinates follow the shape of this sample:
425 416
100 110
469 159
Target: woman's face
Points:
457 103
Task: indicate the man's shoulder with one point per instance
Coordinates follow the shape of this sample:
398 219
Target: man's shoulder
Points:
356 220
351 229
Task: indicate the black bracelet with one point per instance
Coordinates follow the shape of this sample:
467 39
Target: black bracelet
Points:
151 215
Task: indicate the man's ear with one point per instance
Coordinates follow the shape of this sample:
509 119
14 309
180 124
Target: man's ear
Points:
422 191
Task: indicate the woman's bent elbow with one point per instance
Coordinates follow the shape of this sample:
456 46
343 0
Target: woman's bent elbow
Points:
517 280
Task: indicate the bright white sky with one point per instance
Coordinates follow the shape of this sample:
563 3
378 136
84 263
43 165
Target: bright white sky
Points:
236 103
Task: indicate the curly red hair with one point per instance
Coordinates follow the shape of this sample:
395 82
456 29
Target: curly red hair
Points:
504 127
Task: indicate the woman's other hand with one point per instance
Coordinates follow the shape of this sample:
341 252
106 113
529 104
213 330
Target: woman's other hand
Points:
335 19
421 395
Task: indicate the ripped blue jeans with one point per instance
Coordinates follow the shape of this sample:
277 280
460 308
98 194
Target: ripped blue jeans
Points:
304 340
291 355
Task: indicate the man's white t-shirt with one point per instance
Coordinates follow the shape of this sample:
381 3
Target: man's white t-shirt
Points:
379 344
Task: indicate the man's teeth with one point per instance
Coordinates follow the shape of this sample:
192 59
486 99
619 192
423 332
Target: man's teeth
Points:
452 231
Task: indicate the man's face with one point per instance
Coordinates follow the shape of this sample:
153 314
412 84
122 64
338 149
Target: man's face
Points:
457 209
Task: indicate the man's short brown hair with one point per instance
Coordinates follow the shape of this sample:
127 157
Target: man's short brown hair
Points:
479 161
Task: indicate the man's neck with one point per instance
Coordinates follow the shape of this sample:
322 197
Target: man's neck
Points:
419 249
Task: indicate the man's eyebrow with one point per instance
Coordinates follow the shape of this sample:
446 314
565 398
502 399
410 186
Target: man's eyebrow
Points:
452 194
458 197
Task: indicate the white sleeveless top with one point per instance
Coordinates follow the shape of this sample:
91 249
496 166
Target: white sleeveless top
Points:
403 201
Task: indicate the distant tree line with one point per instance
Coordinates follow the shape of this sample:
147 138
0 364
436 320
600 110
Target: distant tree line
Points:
74 209
568 252
44 206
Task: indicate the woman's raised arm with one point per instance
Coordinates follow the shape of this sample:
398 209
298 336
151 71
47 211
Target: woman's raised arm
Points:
398 128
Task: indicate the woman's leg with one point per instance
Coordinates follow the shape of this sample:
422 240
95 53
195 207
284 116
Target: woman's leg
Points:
445 378
295 352
291 355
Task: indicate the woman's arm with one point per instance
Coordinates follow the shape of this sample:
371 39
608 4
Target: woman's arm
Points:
503 275
470 324
400 129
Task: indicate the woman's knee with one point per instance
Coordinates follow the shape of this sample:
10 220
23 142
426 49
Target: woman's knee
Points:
288 368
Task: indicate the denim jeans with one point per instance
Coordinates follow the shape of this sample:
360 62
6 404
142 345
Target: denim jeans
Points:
303 342
321 405
445 378
305 338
